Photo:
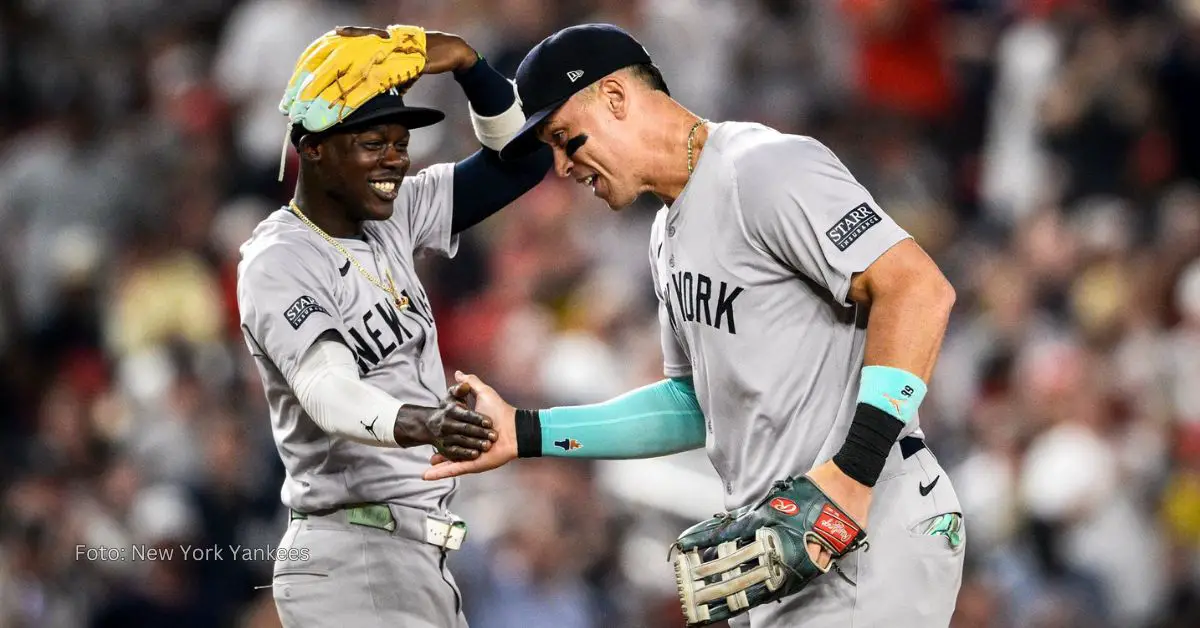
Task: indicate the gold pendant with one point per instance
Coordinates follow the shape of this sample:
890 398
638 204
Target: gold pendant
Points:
400 300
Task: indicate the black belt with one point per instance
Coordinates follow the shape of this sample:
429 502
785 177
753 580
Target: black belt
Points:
910 445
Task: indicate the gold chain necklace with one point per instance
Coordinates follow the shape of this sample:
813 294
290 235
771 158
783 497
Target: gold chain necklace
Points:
691 143
399 300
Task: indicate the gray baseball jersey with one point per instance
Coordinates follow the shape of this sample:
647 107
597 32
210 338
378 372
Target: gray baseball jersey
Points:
752 265
293 286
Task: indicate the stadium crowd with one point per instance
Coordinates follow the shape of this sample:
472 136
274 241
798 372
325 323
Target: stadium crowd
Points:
1045 152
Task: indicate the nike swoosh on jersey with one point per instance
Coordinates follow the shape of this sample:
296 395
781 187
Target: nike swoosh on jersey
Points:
925 489
345 269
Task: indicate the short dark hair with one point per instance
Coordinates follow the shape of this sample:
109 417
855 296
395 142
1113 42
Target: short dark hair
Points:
649 74
297 132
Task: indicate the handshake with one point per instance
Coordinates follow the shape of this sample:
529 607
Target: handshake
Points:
474 430
725 565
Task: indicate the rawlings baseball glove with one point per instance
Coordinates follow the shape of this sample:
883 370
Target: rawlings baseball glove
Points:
346 67
759 553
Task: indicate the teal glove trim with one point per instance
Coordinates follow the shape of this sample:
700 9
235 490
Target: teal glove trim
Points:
655 420
316 115
895 391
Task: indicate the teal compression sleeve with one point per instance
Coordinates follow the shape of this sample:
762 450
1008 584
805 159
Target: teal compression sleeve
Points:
655 420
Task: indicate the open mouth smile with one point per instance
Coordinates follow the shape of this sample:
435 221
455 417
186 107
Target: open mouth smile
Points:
387 189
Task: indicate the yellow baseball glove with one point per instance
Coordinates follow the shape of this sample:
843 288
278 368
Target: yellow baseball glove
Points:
348 66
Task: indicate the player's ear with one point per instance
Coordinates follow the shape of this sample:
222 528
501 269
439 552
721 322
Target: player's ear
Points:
310 148
614 95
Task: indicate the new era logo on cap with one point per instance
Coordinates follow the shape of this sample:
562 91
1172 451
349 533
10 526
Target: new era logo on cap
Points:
584 51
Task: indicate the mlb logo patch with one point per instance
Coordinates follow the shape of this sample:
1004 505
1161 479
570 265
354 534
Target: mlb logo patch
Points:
301 309
850 227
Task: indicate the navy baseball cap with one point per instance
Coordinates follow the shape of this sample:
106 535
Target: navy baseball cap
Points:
563 64
387 106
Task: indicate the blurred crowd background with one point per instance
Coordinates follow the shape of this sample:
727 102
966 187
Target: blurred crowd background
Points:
1045 152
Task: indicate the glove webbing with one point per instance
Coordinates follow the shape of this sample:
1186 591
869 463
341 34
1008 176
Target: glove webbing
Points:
377 59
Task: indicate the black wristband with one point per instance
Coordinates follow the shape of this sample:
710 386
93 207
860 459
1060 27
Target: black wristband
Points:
872 434
529 434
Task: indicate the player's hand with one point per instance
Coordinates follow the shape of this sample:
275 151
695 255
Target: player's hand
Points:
456 431
854 499
445 52
487 402
360 31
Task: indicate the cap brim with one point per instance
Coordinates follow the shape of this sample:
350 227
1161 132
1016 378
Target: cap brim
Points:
409 117
526 140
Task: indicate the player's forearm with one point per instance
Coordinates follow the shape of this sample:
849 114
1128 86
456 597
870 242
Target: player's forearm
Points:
496 115
655 420
910 304
329 389
488 92
484 184
908 323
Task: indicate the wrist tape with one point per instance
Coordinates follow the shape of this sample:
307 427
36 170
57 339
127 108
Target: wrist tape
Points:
871 436
495 131
887 401
529 434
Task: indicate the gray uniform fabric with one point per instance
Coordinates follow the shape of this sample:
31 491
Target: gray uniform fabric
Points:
752 265
292 287
333 574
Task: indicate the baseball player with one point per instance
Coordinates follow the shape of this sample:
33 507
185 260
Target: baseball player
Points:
800 326
342 334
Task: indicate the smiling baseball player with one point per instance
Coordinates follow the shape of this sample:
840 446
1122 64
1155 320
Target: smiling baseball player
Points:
342 332
800 325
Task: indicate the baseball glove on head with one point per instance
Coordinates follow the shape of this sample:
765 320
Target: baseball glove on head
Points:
758 553
348 66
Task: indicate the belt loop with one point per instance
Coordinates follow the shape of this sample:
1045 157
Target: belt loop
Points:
910 445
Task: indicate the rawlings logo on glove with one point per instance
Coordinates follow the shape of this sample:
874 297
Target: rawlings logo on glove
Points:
348 66
836 528
758 554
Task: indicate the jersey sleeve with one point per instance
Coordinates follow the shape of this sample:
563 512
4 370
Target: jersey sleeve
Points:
285 306
800 205
675 360
425 210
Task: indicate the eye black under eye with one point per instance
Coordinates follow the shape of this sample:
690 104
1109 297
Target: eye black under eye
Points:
575 143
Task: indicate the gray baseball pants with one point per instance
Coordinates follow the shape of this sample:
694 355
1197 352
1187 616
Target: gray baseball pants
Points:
334 574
